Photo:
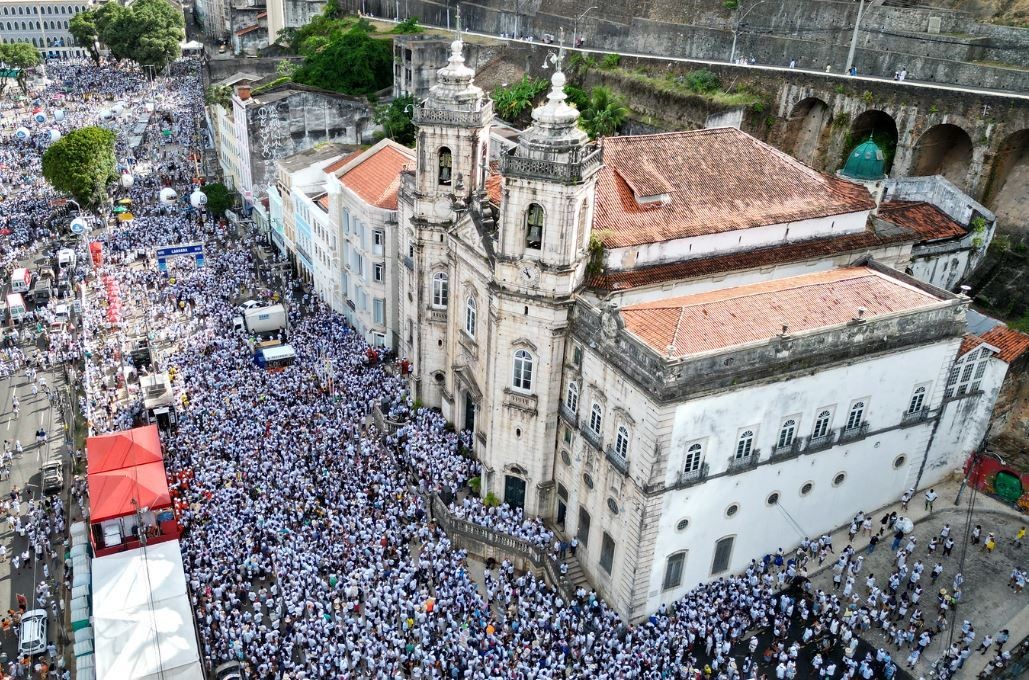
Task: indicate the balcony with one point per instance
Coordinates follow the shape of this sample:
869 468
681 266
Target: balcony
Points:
911 417
408 262
851 434
743 463
620 463
789 451
438 315
592 438
520 401
691 477
820 443
569 415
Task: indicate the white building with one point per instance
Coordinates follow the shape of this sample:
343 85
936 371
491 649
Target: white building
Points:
43 24
687 349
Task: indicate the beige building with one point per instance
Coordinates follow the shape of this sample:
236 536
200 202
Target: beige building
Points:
43 24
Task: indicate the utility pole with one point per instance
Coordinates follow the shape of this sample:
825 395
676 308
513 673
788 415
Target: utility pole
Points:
736 28
575 26
853 39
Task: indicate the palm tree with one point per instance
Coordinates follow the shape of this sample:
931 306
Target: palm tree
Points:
604 113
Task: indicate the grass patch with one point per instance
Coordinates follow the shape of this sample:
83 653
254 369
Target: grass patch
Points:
683 86
999 64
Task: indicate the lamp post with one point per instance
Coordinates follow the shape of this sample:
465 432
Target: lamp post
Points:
736 28
853 39
575 25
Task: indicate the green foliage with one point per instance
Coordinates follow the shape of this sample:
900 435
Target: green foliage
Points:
514 102
581 63
334 10
82 163
350 61
475 484
596 250
603 114
285 67
491 500
731 4
703 81
17 57
219 198
396 120
407 26
610 61
839 89
757 107
867 97
1020 324
769 121
933 108
219 94
147 32
271 84
83 28
577 96
841 119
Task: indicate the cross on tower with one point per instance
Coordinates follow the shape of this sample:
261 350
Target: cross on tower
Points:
458 22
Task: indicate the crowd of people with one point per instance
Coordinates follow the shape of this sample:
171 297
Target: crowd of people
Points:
308 538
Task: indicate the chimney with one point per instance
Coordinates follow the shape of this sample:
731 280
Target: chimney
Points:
243 92
878 193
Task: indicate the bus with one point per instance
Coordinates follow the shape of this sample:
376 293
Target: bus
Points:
275 358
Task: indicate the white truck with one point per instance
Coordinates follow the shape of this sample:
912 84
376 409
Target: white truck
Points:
262 321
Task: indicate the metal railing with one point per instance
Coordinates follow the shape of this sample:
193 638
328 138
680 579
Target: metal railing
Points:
569 415
915 416
571 171
743 463
592 438
818 443
849 434
788 451
620 463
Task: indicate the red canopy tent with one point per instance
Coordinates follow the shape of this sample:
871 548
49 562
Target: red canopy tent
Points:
124 449
111 494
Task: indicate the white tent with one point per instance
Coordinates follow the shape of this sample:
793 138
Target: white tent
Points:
142 616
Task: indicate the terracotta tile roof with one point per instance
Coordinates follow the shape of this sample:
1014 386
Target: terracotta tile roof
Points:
750 259
969 342
248 29
262 15
925 219
734 316
337 165
376 178
1011 343
323 201
707 182
493 183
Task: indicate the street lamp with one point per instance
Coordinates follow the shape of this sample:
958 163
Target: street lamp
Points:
853 39
575 25
736 29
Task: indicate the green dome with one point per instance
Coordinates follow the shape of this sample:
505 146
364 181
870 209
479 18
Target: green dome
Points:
865 162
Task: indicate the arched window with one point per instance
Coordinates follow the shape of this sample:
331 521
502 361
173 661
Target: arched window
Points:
745 444
523 370
694 455
469 316
822 424
534 227
622 442
854 418
572 397
596 418
440 289
446 165
917 399
786 434
580 226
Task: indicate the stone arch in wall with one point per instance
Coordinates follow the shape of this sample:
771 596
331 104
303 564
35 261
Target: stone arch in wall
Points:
944 149
1007 193
880 127
807 121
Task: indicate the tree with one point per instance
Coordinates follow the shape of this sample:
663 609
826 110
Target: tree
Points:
15 59
604 113
83 28
219 198
396 120
514 102
82 164
334 10
219 94
351 62
148 31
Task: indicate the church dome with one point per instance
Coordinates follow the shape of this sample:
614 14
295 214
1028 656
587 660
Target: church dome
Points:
866 162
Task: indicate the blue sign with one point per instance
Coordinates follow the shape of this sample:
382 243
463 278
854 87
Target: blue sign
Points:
194 250
77 228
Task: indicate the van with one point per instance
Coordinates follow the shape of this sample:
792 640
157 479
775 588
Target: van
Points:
66 258
21 280
33 637
53 474
41 292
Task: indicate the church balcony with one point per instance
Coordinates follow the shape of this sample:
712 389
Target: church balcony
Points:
690 477
570 416
522 402
620 464
851 434
788 451
408 262
572 171
592 438
437 315
425 116
820 443
915 417
744 463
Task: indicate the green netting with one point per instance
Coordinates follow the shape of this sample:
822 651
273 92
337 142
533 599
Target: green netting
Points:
1008 486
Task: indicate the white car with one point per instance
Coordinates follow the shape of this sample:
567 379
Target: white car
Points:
249 304
33 638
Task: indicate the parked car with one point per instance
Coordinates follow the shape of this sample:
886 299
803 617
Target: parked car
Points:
33 637
53 474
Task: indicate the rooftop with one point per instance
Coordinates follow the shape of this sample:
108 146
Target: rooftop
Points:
731 317
925 219
316 154
675 185
1011 343
375 175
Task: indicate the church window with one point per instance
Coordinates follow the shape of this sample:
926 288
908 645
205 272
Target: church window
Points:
745 444
917 399
572 398
470 312
596 418
523 370
856 412
694 455
673 570
446 165
822 424
786 434
622 443
440 289
534 227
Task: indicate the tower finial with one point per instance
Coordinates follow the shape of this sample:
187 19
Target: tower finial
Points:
458 22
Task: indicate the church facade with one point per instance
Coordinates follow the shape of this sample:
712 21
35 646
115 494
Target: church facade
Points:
685 349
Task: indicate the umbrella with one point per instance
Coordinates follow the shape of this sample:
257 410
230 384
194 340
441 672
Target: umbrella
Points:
125 217
120 209
125 201
166 133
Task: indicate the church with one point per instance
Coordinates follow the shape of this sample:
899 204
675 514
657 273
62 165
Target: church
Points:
685 349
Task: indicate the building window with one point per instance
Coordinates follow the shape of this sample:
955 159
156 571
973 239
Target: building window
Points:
577 356
440 289
523 370
378 270
378 241
723 554
622 443
379 307
856 411
822 424
694 455
917 399
469 317
773 498
582 532
673 571
534 227
596 418
786 434
607 553
745 444
446 165
572 397
568 435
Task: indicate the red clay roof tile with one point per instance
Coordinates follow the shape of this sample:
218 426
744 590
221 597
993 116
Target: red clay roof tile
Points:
1011 343
376 179
923 218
